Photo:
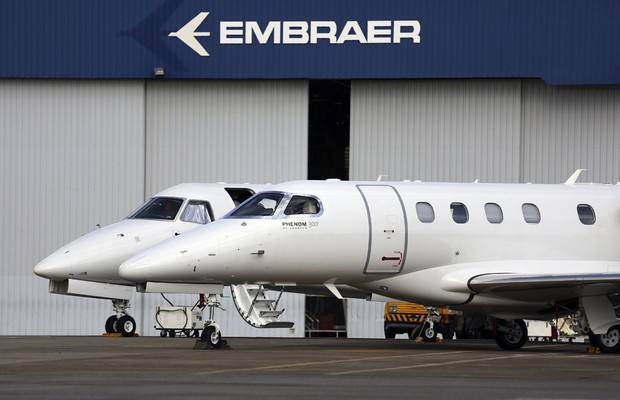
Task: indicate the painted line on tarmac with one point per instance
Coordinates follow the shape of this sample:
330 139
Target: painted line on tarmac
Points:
437 364
315 363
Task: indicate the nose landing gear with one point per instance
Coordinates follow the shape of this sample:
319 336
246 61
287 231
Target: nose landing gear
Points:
211 337
121 322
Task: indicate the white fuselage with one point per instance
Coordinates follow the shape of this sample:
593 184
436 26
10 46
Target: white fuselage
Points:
371 235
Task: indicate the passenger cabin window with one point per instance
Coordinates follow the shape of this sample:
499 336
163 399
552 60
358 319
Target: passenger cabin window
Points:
261 205
165 208
425 211
531 214
196 211
494 213
459 213
302 205
586 214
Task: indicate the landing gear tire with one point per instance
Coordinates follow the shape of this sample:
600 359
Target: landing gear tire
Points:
515 337
608 342
126 325
172 333
428 333
110 324
212 336
163 333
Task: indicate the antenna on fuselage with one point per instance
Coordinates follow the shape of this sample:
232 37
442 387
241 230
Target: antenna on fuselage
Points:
573 178
380 177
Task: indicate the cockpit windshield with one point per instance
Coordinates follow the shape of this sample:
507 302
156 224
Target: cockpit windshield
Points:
261 205
165 208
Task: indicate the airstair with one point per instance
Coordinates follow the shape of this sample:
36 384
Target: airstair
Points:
256 308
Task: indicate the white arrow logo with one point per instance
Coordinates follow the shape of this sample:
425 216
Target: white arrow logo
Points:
188 34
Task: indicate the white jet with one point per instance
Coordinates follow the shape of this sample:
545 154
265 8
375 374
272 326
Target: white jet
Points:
510 251
88 266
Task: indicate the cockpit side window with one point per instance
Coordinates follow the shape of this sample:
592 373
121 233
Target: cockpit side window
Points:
302 205
197 212
261 205
165 208
239 195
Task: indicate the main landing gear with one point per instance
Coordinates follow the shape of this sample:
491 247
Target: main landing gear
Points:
509 335
608 342
599 311
120 322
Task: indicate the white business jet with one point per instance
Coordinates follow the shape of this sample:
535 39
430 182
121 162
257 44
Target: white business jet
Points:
510 251
88 266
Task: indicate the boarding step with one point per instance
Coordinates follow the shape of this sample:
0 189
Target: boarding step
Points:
256 308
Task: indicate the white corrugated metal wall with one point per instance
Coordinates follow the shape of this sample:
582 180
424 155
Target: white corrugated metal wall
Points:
435 130
565 128
492 130
71 158
234 131
80 153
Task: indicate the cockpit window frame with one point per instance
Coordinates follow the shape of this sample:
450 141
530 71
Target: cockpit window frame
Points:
280 208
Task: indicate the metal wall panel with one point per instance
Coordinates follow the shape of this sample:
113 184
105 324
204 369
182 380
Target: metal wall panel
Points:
565 128
71 158
364 318
233 131
436 130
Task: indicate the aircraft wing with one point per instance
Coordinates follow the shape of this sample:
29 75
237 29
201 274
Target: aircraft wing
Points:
510 282
530 280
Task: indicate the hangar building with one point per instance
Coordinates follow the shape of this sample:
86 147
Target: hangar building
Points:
103 104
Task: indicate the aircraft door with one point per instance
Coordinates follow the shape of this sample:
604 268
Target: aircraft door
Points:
387 227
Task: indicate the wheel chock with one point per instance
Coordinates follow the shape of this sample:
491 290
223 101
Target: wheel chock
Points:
206 345
594 350
117 335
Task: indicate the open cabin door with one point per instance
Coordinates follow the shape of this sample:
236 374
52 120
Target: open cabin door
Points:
387 229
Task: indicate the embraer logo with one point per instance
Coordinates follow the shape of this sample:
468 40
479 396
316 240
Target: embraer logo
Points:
301 32
188 34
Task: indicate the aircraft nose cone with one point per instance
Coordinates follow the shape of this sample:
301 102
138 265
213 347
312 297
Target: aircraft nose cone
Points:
57 266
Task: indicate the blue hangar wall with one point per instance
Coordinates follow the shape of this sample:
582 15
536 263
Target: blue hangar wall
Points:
560 41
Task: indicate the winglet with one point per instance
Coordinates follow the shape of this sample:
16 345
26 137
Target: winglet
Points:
573 178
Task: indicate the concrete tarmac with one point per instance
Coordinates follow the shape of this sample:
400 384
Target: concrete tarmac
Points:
168 368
